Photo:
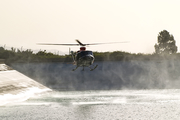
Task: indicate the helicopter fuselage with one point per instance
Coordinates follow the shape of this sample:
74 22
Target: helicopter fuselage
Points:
84 58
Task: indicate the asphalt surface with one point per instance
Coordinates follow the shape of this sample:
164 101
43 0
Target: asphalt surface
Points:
22 98
97 105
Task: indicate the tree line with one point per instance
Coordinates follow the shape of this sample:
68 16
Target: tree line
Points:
165 48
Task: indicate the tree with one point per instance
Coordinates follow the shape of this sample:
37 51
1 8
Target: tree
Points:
166 43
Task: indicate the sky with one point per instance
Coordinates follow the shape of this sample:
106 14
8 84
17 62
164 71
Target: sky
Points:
24 23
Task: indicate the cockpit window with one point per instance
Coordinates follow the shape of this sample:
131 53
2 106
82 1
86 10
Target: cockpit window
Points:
84 53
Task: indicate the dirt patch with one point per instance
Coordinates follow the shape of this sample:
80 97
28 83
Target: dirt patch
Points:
4 67
6 89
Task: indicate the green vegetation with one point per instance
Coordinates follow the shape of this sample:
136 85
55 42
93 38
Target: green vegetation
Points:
27 56
164 49
166 43
16 55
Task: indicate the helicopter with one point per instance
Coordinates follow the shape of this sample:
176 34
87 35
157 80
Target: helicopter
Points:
82 58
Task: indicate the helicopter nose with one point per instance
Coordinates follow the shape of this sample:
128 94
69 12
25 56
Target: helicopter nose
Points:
86 60
89 57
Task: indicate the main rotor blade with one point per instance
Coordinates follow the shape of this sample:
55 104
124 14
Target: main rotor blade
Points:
106 43
58 44
80 43
99 43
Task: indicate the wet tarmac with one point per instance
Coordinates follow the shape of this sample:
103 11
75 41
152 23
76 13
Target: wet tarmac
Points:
23 98
97 105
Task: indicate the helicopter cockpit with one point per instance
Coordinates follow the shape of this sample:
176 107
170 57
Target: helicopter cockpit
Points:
81 54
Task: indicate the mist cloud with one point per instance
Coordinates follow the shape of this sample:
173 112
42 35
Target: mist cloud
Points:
107 76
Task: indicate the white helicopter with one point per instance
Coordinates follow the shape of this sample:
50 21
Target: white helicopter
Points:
82 58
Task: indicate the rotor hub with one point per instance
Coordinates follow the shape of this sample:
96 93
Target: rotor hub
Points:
82 48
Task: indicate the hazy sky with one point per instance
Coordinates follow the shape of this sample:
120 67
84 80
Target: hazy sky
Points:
23 23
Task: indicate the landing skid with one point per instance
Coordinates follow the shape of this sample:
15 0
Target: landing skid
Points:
75 68
91 69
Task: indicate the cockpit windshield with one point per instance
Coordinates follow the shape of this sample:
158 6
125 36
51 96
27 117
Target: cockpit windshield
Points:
84 53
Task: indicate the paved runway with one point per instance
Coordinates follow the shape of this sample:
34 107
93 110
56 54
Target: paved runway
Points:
97 105
22 98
